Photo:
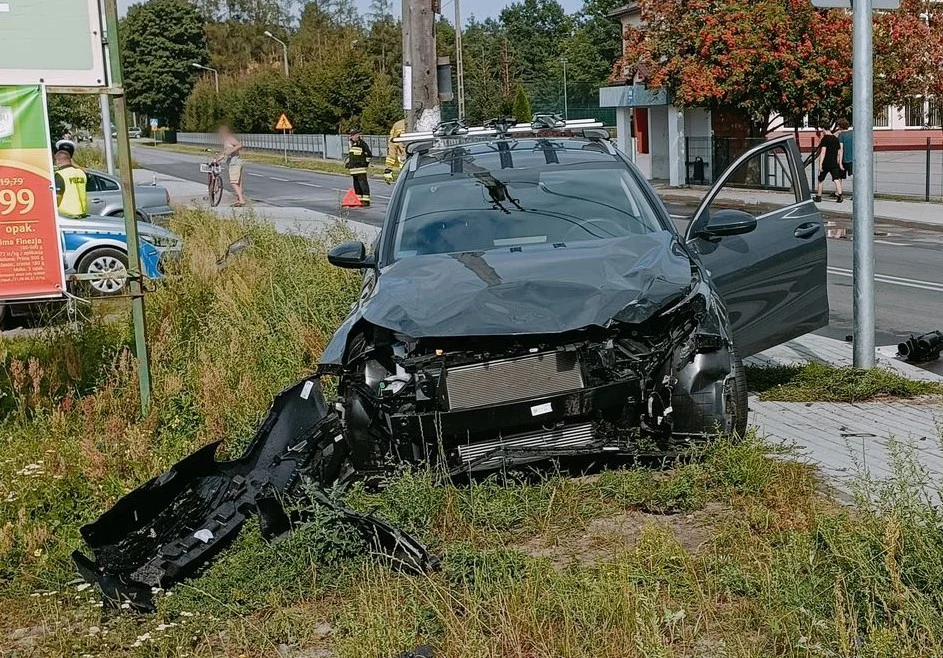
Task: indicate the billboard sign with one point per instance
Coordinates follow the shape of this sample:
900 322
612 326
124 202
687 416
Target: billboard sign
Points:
52 42
31 263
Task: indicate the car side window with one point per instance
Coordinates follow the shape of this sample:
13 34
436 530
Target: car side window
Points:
107 185
91 183
761 184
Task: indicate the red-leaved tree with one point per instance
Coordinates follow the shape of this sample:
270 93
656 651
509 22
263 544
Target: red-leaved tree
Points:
779 56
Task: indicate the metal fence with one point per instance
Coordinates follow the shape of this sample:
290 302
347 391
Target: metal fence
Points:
329 147
914 173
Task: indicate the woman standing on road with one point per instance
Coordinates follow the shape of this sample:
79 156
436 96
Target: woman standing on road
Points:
232 150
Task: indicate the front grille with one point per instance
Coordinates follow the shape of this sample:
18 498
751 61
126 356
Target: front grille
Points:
507 380
574 436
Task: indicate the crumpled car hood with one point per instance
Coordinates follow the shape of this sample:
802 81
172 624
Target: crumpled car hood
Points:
501 292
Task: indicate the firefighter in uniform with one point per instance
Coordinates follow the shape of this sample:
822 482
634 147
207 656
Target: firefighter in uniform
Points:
395 152
357 162
71 196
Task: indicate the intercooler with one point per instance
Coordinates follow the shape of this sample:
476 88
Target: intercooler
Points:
507 380
574 436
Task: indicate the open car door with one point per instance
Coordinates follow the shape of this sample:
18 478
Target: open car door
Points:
762 239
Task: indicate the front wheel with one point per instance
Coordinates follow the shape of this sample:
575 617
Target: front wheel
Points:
215 189
737 395
111 264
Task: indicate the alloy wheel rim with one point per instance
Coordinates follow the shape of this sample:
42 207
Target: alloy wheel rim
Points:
108 265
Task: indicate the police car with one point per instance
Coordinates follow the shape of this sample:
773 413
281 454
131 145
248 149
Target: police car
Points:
99 245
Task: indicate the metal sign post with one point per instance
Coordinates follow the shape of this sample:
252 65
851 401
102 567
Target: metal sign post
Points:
863 187
130 210
863 184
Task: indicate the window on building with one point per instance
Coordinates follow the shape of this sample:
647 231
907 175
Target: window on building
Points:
915 113
882 117
934 113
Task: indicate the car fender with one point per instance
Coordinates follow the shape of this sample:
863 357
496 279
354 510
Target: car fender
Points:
334 355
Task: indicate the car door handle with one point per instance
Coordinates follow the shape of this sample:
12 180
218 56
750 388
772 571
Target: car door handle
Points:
96 200
807 230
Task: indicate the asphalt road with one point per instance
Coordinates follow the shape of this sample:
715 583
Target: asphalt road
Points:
909 262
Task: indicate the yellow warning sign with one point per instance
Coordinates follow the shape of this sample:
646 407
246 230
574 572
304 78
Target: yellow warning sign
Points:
283 123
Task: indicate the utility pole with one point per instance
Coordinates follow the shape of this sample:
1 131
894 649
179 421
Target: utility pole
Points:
284 49
863 186
459 65
420 84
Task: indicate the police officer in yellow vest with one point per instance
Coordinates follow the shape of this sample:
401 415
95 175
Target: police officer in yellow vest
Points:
70 187
395 153
357 162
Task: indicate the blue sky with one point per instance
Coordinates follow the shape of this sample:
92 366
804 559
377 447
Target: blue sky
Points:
480 8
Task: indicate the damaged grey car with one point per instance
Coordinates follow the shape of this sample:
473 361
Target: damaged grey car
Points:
527 298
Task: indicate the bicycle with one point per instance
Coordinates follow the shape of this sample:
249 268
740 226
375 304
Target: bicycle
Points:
214 181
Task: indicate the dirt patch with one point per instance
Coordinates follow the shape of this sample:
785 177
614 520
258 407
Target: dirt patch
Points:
606 536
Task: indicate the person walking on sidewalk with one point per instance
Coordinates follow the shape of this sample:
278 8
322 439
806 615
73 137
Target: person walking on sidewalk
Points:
847 139
830 159
357 163
232 153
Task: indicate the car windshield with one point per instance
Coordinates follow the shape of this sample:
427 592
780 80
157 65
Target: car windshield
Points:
482 209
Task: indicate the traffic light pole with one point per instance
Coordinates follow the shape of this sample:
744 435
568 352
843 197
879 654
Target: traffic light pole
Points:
863 186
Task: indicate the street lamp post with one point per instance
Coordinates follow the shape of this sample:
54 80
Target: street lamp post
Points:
284 49
207 68
566 113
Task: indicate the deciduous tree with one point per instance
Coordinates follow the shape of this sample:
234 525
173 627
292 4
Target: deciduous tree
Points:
161 40
761 56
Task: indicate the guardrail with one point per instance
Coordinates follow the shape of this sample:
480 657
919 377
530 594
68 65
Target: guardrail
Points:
329 147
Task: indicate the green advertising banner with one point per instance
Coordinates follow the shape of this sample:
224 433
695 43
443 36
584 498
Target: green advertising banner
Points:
30 249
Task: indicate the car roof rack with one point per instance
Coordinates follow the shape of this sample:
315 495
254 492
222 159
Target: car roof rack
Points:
499 127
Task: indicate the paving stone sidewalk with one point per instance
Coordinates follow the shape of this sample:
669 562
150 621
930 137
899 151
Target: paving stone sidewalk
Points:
849 440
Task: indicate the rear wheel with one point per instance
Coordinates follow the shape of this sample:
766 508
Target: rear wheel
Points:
112 264
215 189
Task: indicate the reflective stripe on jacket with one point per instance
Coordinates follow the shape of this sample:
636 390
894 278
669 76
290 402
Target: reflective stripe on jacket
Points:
396 152
70 191
358 157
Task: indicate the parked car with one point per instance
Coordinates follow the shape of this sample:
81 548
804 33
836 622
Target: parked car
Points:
83 136
104 198
135 132
100 245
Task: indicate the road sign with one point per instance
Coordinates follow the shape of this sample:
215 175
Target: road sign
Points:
56 42
154 123
283 123
30 253
846 4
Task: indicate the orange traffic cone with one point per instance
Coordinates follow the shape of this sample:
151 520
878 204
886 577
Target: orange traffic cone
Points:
351 200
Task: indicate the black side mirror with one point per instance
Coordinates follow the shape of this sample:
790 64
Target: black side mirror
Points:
351 255
727 222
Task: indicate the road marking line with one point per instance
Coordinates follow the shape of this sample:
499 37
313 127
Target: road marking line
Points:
893 244
892 280
256 175
284 180
309 184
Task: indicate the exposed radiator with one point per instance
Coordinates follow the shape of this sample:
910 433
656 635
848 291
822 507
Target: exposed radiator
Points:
574 436
507 380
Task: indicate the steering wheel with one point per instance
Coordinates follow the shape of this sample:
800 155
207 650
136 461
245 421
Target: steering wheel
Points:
608 228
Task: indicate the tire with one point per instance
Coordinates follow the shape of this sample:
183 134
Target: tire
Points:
105 259
215 185
737 399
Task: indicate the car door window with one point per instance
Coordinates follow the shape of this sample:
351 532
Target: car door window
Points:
107 185
91 183
761 185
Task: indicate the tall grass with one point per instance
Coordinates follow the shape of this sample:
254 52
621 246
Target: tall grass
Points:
738 553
